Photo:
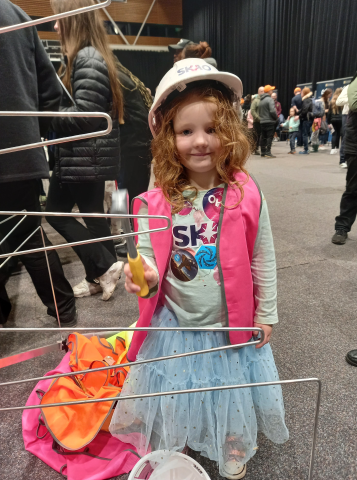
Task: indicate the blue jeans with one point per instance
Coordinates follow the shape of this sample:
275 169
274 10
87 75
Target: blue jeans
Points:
292 136
306 126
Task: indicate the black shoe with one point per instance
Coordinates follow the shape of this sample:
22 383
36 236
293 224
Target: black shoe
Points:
340 237
351 358
121 250
257 153
269 155
71 323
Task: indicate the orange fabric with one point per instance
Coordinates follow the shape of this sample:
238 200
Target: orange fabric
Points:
74 426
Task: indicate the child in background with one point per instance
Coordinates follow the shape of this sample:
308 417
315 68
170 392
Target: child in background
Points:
316 124
293 123
323 133
215 267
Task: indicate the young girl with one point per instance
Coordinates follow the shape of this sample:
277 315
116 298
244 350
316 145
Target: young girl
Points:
293 123
215 268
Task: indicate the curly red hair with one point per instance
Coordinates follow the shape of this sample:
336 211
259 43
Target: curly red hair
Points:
235 139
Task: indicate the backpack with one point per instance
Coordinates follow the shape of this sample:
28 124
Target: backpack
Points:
318 109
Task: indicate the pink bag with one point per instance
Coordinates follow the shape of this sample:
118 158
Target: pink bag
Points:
105 457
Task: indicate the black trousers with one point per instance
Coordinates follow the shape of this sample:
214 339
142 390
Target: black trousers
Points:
97 258
348 206
257 134
300 142
24 195
336 134
268 130
135 172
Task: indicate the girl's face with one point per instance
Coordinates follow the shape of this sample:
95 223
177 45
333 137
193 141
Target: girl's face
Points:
196 140
292 112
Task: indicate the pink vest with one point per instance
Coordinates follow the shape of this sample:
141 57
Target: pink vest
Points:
237 232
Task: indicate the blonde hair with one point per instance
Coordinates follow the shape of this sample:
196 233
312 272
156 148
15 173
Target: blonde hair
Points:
335 109
80 31
236 142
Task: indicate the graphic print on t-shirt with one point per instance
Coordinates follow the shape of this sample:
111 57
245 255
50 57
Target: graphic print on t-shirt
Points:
195 233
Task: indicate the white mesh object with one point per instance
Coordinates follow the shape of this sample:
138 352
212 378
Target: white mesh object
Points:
166 465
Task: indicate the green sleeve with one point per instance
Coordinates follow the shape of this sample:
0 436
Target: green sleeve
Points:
352 96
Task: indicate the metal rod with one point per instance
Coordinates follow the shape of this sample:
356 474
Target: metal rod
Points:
116 28
18 248
15 227
57 140
65 89
144 22
84 242
314 437
138 362
133 329
9 218
56 17
161 394
52 287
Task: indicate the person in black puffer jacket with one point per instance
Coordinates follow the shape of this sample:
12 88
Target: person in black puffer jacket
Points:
82 167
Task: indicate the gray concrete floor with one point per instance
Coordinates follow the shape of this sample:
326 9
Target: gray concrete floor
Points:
317 295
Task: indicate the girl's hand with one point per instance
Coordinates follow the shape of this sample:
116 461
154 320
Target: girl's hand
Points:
149 274
268 330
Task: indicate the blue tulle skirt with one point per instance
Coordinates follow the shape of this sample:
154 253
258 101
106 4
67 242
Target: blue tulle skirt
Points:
212 423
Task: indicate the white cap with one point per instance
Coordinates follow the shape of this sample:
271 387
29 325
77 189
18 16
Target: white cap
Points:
187 71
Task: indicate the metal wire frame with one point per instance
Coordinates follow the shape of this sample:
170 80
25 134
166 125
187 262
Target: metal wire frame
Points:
56 17
85 242
139 362
57 140
200 390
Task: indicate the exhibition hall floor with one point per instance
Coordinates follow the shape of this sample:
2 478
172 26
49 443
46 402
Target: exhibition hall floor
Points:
317 300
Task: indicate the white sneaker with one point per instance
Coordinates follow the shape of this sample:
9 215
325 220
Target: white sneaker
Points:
343 165
86 289
333 151
234 470
109 280
322 147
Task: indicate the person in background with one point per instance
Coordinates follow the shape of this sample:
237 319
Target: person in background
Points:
277 104
197 50
292 123
82 167
323 133
305 115
325 97
28 83
296 102
334 118
342 101
177 48
135 135
250 119
268 119
256 119
246 106
348 206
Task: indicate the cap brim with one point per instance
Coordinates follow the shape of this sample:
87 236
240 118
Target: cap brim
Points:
172 48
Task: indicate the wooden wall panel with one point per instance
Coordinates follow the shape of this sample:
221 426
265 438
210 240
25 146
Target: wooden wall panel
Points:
165 12
117 40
